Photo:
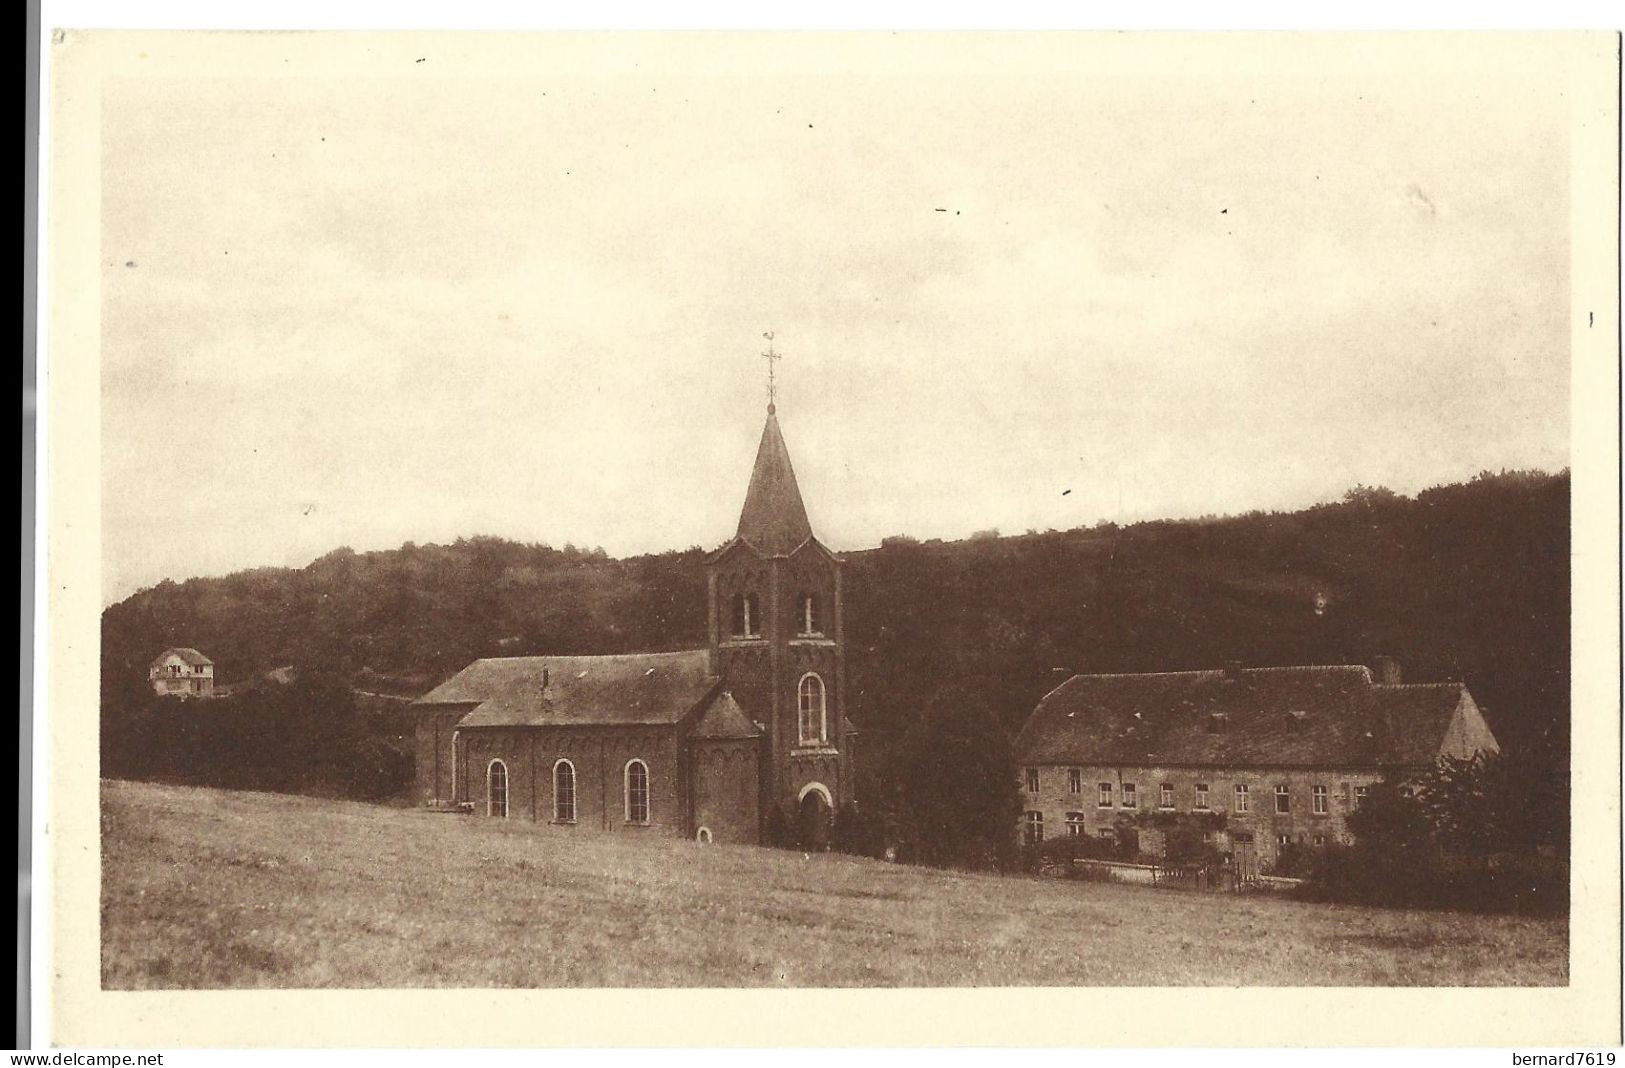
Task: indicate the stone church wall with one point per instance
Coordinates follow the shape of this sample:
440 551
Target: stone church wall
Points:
432 754
726 789
599 755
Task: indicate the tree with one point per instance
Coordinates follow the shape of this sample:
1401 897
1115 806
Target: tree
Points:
958 779
1491 803
1390 819
1444 842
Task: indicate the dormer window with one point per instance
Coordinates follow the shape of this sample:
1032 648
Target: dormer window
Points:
1217 722
808 624
746 617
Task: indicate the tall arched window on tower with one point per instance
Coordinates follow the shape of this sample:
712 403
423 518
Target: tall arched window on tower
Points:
746 618
637 792
564 792
808 624
810 701
496 789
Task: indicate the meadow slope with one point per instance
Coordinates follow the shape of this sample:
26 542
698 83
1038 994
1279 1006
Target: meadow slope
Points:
208 888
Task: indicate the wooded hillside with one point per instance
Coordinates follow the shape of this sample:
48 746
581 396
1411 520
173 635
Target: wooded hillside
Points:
1466 581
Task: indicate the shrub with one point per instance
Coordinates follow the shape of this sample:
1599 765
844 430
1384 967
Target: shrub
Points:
1082 847
854 832
1363 874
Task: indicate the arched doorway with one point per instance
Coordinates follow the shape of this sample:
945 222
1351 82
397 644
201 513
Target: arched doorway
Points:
814 813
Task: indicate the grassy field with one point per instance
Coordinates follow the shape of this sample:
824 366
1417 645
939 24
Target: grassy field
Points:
207 888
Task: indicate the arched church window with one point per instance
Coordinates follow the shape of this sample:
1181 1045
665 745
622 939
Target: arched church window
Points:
811 706
808 623
746 617
564 792
637 792
496 789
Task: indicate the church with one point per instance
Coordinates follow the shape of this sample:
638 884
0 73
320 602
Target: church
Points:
716 744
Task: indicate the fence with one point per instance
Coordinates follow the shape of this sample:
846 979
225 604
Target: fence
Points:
1223 878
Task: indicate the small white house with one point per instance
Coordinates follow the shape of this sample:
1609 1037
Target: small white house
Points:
183 673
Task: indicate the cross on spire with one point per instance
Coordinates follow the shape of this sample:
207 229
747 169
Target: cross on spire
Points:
772 385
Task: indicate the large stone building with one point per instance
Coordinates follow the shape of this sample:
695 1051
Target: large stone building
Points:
1267 757
707 743
181 673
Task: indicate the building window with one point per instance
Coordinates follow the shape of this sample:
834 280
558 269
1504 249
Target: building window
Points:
1074 780
747 620
1035 827
1201 797
810 701
1129 800
1318 800
564 792
1165 795
1320 841
1359 795
808 624
1283 840
637 792
496 789
1283 799
1030 775
1074 825
1243 802
1105 796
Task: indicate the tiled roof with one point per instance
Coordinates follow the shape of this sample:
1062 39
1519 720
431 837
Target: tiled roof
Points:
1293 716
191 656
634 688
1415 719
725 719
774 519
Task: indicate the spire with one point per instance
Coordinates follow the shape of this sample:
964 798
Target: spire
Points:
773 520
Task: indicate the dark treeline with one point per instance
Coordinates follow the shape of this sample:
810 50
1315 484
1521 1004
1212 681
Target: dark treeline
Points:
1467 581
311 736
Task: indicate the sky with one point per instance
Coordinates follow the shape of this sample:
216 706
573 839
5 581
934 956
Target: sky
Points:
401 295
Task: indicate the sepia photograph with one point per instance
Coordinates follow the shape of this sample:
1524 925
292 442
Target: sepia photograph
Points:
905 511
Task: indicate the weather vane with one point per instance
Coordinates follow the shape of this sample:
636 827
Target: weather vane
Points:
772 358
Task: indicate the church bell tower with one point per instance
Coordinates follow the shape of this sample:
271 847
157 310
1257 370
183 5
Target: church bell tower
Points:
777 640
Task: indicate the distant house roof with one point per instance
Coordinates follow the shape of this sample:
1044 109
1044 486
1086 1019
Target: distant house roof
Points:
541 691
1289 716
190 656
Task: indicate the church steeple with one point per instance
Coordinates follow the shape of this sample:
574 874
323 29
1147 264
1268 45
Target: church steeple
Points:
774 520
776 623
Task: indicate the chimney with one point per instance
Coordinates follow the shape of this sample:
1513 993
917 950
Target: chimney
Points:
1385 670
1232 670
